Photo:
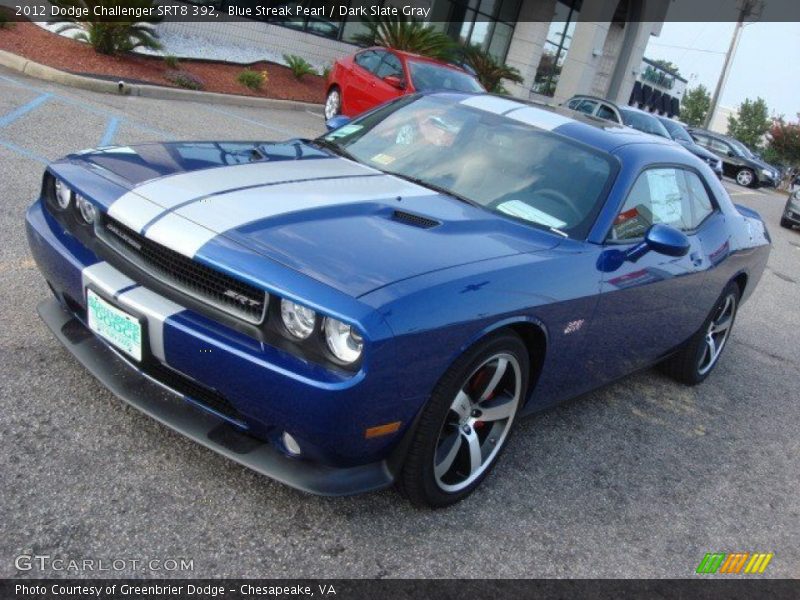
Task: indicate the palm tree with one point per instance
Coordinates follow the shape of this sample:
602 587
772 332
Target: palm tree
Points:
488 70
409 35
108 35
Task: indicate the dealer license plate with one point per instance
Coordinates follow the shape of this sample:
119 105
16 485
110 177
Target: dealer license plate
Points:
114 325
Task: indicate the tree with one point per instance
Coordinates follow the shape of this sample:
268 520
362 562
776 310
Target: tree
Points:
784 142
667 65
402 33
489 71
751 123
695 106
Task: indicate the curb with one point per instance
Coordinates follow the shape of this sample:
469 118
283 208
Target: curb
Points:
45 73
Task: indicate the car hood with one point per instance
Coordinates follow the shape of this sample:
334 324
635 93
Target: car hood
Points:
343 223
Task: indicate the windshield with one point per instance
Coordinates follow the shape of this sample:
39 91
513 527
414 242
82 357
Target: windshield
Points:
428 77
677 132
743 150
644 122
496 162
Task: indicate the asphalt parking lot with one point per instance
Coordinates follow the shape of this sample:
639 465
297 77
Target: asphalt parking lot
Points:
639 479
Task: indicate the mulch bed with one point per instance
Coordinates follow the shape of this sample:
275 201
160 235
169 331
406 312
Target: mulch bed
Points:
39 45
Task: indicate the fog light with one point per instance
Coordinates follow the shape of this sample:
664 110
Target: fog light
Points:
88 211
290 444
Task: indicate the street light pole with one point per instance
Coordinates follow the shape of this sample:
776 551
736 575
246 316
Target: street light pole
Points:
748 8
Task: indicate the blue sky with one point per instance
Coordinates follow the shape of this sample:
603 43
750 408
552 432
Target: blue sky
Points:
767 62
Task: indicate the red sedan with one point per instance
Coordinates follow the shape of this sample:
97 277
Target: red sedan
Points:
376 75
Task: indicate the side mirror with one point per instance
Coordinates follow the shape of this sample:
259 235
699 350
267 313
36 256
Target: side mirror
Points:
395 82
337 122
662 239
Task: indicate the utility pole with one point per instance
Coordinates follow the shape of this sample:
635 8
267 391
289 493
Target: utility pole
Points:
748 9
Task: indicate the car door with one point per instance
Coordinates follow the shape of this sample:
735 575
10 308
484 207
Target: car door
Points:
650 305
730 158
381 91
362 80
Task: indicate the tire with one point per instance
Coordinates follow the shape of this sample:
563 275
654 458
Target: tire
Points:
691 365
452 419
746 177
786 223
333 103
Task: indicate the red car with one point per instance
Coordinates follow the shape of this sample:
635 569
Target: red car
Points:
376 75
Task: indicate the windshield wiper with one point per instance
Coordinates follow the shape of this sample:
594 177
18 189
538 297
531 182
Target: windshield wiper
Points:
333 147
435 188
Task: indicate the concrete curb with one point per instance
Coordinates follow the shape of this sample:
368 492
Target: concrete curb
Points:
45 73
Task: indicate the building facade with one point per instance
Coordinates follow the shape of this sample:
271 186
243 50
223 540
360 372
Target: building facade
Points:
560 47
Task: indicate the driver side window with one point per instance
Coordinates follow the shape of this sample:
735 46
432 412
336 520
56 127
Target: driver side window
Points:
661 195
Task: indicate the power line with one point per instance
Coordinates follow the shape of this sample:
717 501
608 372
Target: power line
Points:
687 48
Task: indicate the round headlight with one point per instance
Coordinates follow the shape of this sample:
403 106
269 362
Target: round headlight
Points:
344 341
63 194
298 319
88 211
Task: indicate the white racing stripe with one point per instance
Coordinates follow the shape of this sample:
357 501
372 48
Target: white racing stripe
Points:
141 301
538 117
135 212
188 228
492 104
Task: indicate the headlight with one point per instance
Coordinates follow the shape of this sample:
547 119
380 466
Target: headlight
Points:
343 341
63 194
766 172
298 320
88 211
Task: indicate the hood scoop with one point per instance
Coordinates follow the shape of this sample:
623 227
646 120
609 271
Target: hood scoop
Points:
414 220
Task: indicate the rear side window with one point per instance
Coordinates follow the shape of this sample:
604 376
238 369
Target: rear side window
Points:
587 106
670 196
390 66
606 113
369 60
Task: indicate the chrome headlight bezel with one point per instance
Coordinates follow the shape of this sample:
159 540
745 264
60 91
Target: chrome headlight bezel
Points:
86 209
343 340
62 194
298 320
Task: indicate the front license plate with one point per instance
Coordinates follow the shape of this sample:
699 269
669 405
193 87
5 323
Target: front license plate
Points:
114 325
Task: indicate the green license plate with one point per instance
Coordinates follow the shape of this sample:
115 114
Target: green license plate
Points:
113 325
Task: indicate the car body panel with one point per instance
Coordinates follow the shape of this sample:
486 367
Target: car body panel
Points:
302 224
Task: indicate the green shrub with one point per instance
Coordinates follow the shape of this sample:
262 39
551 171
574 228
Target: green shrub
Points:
4 20
112 36
326 70
299 66
184 79
252 79
171 61
408 34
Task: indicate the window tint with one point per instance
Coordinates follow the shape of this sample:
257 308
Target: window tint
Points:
369 60
604 112
390 66
718 146
644 122
574 103
702 140
670 196
587 106
429 76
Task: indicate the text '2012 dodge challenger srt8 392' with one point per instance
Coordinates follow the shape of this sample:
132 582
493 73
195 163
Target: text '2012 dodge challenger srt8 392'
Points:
381 304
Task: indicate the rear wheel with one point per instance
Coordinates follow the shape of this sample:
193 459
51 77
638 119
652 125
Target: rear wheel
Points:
695 361
466 423
333 103
745 177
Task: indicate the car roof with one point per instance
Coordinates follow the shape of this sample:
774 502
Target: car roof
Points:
419 57
599 133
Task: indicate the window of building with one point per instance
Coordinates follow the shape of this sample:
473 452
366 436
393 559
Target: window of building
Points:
556 46
486 23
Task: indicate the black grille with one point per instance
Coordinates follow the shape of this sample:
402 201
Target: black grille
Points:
414 220
184 274
196 391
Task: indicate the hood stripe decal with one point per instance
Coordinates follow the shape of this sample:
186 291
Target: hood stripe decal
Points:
187 229
176 208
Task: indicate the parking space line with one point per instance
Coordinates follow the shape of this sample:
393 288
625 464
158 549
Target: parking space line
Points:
23 110
110 132
23 152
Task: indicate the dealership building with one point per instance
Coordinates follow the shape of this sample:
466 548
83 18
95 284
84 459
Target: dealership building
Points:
560 47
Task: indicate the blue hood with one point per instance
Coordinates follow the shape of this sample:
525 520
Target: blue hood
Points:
340 222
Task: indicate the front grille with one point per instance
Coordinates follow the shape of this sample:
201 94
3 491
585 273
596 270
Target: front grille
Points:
184 274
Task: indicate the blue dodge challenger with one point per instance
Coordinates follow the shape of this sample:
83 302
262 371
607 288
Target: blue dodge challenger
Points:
381 304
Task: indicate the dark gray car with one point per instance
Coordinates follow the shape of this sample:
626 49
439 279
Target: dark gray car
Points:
680 135
737 161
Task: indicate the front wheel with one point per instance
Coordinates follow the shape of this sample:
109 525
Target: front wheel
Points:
466 423
333 103
745 177
695 361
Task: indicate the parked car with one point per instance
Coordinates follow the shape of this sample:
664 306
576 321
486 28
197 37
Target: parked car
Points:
383 303
791 212
737 160
375 75
678 133
626 115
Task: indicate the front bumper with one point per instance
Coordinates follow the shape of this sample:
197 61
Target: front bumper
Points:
170 408
792 215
